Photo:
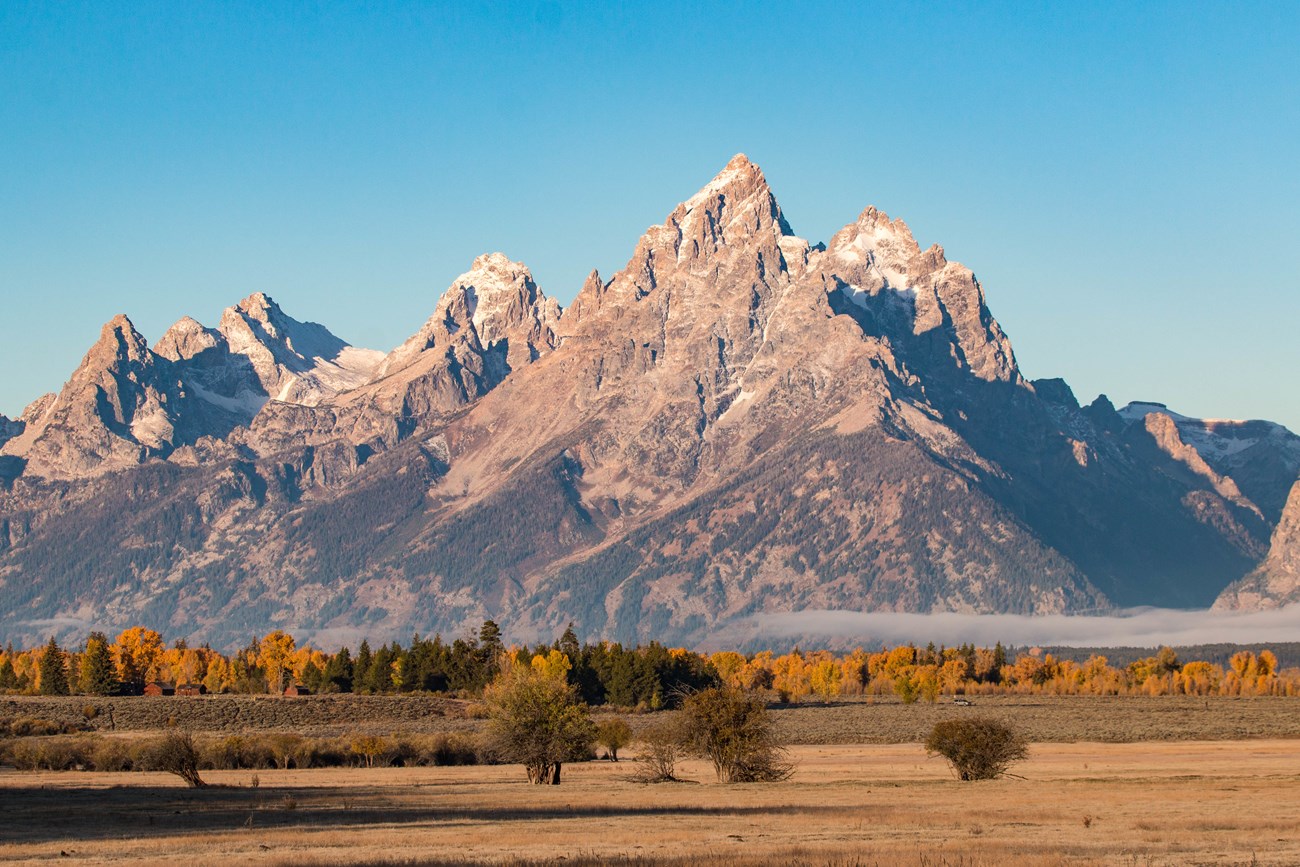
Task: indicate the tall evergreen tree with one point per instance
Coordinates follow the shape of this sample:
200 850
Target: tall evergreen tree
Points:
98 673
54 670
489 636
568 643
8 677
338 673
361 668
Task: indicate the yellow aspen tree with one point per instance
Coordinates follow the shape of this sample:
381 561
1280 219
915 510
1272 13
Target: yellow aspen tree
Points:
790 676
138 652
275 656
730 667
825 679
853 672
554 665
953 675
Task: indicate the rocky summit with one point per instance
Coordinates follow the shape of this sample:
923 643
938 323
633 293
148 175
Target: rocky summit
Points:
738 421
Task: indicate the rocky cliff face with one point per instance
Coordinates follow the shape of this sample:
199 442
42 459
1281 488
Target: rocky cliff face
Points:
1276 582
9 428
737 421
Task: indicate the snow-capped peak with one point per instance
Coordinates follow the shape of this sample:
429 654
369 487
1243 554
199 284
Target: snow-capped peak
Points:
493 287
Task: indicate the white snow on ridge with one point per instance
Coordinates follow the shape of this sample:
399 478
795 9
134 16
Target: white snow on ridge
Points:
1140 409
243 403
1216 438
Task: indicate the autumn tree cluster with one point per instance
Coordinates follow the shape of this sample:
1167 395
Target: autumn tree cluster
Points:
607 673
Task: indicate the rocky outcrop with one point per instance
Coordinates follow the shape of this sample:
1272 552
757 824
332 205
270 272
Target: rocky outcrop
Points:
1276 582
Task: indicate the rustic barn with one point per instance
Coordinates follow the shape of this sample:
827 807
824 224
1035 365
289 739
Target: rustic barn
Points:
191 689
294 689
158 687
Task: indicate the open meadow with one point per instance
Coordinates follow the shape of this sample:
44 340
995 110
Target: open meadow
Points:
1109 780
1168 803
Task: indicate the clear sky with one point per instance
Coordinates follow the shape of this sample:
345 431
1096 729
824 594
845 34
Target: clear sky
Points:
1124 178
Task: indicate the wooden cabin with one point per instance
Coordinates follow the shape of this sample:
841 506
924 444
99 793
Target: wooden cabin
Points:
158 687
191 689
294 689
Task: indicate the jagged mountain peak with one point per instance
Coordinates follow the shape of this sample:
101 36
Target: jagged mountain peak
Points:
259 305
495 305
882 245
118 339
736 204
497 293
120 406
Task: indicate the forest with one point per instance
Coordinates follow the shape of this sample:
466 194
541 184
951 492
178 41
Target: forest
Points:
644 677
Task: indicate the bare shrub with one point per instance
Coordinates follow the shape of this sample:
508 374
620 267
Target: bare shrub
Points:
176 753
286 750
445 748
734 731
25 755
978 748
34 727
661 747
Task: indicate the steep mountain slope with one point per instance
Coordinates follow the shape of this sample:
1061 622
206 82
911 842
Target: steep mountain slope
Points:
737 421
1276 582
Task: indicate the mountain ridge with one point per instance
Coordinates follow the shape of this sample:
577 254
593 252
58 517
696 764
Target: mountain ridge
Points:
736 421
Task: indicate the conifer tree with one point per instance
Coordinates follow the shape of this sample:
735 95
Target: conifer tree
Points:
8 677
98 673
361 668
53 670
568 644
338 673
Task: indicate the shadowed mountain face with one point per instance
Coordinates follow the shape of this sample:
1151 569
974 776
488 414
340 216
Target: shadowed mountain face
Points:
736 422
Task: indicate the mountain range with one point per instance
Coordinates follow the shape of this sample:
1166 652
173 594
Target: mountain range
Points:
738 421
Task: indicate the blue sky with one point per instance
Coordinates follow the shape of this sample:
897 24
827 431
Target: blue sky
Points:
1123 178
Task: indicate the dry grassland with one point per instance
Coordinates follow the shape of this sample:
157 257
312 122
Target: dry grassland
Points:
1171 803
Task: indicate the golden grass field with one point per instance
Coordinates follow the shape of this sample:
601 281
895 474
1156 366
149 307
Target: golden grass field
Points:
1161 803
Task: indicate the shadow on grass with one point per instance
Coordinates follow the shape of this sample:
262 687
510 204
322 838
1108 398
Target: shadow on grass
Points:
77 814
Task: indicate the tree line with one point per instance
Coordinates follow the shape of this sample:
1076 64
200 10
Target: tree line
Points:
647 677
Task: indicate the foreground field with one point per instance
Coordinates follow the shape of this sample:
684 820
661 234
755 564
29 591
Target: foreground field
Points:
878 720
1184 803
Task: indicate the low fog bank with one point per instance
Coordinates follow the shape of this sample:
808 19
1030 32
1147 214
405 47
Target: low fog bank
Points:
1138 627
